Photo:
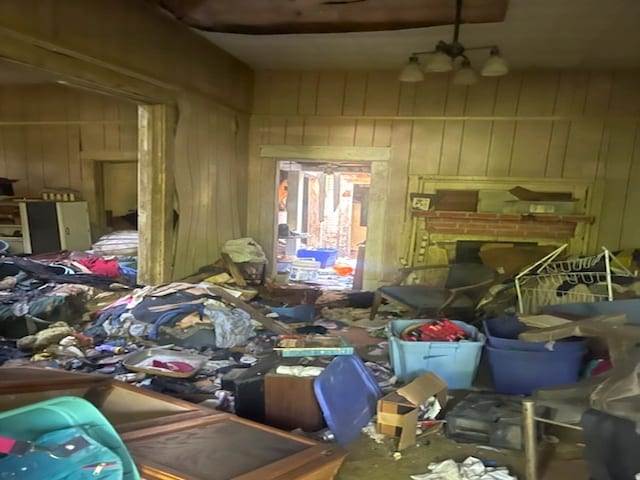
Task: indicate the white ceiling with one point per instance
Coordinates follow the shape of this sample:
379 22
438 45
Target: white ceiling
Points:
535 34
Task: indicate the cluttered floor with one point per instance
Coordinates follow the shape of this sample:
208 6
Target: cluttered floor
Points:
405 395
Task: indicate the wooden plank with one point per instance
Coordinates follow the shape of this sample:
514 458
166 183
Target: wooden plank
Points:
557 148
383 93
426 145
474 154
481 98
308 93
109 155
401 132
277 130
155 194
382 133
16 158
538 93
111 112
364 133
456 100
354 92
331 86
284 93
233 269
583 149
617 176
35 164
598 93
326 152
630 226
530 146
501 148
431 95
295 131
625 97
342 132
572 92
508 94
55 160
451 145
262 92
374 256
316 131
407 98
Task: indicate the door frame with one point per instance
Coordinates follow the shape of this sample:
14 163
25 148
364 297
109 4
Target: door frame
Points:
378 159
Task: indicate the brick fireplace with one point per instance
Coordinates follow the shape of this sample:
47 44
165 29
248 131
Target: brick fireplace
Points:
503 225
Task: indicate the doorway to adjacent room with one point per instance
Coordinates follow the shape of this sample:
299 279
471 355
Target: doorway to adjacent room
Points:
322 222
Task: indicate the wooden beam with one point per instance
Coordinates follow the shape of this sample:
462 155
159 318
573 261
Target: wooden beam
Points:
155 193
326 153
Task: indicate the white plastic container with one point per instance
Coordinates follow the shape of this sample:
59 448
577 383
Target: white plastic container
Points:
304 270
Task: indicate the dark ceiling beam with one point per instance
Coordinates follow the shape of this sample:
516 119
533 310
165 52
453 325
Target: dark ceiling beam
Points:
260 17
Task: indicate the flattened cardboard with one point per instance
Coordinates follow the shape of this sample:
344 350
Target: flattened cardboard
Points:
398 411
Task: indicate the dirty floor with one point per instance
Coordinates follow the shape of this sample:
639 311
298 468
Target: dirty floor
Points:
371 461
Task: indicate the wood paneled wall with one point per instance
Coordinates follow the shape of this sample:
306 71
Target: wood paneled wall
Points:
134 48
538 124
45 128
210 178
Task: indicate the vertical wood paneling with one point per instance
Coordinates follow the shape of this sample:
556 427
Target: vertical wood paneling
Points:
587 148
316 131
451 145
474 152
622 137
383 93
364 133
308 93
557 148
530 146
331 93
285 92
295 131
630 226
354 92
431 95
342 132
572 93
538 93
583 149
426 145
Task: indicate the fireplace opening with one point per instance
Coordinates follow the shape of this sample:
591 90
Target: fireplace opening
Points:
468 251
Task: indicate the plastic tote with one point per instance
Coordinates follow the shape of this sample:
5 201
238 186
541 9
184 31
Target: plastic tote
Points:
44 422
520 372
348 394
502 332
455 362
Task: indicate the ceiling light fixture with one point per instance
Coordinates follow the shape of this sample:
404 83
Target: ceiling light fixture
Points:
445 56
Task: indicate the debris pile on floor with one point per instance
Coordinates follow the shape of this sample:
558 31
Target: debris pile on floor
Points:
308 360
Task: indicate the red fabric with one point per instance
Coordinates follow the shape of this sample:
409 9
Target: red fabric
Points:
444 331
100 266
6 444
174 366
602 367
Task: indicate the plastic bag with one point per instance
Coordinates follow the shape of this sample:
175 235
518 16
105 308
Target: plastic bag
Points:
244 250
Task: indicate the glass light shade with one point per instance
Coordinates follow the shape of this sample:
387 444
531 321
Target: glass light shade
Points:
412 72
465 75
495 66
440 62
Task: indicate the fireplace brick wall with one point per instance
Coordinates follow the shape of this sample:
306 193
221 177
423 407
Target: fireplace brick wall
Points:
507 225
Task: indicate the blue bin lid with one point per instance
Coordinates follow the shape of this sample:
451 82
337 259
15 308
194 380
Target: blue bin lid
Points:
347 393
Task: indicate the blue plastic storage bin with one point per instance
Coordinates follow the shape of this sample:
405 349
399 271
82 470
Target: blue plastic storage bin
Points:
520 372
502 332
326 256
455 362
348 394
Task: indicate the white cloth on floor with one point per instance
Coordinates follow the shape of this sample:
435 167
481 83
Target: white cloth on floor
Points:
471 469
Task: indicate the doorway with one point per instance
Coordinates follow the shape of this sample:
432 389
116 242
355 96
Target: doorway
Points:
322 217
120 194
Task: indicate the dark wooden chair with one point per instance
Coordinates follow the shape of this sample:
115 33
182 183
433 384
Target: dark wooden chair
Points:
463 288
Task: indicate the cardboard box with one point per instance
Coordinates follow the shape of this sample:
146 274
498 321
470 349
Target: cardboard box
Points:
398 411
